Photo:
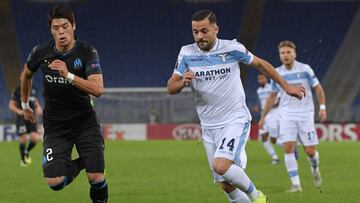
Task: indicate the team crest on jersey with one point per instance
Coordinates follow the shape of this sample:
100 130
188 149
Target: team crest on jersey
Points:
77 63
223 57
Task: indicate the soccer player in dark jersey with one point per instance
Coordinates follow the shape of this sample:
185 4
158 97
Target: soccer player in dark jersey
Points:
71 72
23 127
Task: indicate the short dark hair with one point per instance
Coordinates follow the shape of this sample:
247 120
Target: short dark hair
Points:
204 14
61 11
287 43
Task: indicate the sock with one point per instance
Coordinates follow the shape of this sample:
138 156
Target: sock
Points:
314 161
74 168
238 178
99 192
270 149
22 151
238 196
31 145
292 168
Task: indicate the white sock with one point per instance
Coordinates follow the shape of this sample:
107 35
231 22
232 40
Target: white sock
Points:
238 196
314 161
270 149
292 168
238 178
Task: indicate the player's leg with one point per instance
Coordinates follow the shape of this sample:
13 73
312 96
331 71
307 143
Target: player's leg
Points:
58 168
288 132
34 137
309 139
273 131
233 194
21 132
90 146
230 159
268 147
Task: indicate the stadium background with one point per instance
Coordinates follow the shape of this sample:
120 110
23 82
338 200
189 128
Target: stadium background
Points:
138 42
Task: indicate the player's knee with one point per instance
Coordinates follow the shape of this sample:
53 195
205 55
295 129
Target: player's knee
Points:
264 137
95 177
227 187
221 165
310 151
273 140
289 147
57 183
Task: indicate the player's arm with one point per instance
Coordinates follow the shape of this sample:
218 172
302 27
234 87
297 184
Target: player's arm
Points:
38 108
92 85
320 94
25 84
176 82
270 102
266 68
13 107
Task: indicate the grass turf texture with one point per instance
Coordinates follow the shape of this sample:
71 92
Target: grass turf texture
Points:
177 171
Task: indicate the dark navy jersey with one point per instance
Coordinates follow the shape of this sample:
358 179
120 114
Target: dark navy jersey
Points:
64 101
16 96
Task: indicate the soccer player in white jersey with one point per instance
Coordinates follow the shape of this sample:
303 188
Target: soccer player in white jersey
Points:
210 67
271 126
297 116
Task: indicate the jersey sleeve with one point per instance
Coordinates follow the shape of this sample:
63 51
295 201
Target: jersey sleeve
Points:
242 54
32 60
180 66
93 63
313 80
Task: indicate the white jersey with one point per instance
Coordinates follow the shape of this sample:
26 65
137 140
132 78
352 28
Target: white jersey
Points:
218 92
290 107
263 94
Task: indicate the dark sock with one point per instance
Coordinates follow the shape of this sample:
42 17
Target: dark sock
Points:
22 151
31 145
99 192
74 168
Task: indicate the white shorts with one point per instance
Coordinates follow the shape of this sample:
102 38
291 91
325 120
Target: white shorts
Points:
271 125
302 131
226 142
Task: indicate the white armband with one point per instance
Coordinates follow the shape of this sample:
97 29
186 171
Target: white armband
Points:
70 77
322 107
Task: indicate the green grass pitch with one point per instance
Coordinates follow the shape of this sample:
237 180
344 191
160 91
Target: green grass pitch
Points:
177 171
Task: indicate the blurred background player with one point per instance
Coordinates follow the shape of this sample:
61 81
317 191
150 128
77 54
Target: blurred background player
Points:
210 66
271 125
24 127
71 73
297 116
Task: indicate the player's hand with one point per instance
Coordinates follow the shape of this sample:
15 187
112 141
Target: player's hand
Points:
59 66
187 77
20 113
322 115
29 115
296 91
261 123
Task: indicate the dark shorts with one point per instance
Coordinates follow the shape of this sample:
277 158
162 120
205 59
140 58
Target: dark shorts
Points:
59 141
23 126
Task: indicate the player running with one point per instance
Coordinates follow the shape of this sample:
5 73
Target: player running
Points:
271 126
71 71
210 66
297 116
25 127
